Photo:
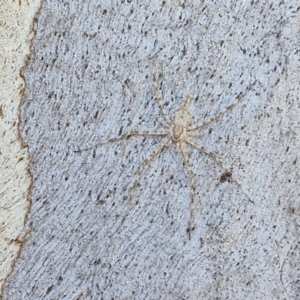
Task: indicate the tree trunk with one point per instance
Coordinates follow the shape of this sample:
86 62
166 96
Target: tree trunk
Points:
16 35
104 224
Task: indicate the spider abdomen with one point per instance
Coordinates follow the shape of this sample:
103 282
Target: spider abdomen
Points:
177 132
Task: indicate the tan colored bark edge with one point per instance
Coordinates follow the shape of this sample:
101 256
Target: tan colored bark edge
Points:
16 38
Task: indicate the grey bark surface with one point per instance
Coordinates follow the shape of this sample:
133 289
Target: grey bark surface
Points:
93 235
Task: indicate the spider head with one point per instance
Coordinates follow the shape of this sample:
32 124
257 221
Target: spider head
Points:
182 117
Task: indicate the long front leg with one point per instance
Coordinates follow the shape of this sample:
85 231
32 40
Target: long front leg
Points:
206 122
192 185
160 101
187 100
218 160
126 136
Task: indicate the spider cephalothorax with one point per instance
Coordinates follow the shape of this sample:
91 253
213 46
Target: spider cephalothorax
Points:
180 121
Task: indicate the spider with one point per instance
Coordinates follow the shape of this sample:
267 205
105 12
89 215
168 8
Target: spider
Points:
178 130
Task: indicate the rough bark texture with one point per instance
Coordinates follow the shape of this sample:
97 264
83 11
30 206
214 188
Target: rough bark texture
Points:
16 34
94 236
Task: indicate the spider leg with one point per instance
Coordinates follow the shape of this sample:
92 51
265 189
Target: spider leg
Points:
164 143
126 136
198 134
192 180
160 101
186 102
193 127
237 100
218 160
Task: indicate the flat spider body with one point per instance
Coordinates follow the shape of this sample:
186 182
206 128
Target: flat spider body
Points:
178 130
180 121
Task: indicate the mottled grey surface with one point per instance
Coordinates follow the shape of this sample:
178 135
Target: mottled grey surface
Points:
93 236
